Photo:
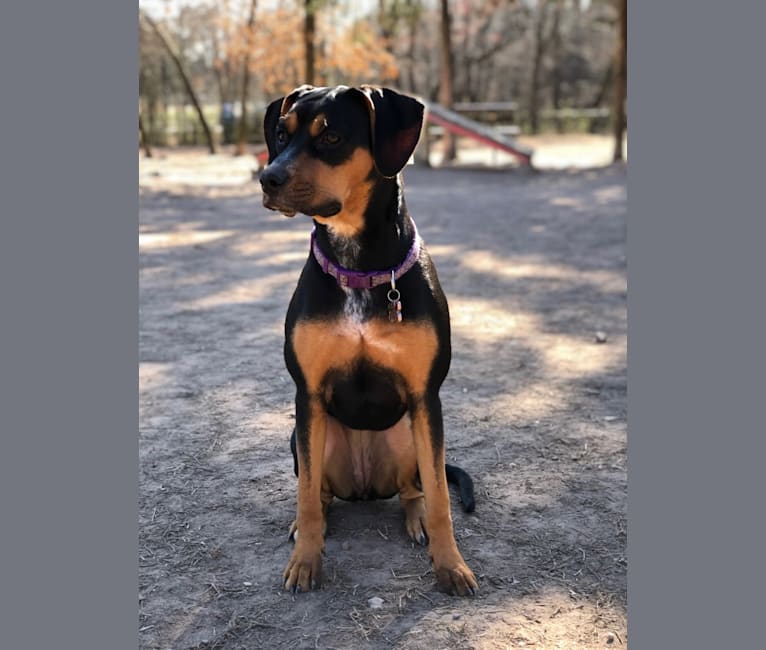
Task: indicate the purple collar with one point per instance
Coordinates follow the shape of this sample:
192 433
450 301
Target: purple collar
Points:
365 279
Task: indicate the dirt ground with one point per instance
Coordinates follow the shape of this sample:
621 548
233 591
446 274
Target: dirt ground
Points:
535 409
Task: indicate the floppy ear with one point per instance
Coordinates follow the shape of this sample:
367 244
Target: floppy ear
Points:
270 126
395 122
276 109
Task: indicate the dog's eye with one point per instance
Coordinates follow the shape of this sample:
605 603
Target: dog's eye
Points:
329 138
281 137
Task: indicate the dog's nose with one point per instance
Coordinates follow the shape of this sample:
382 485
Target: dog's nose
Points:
273 178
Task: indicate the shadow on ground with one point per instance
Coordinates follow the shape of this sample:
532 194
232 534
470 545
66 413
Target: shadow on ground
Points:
535 410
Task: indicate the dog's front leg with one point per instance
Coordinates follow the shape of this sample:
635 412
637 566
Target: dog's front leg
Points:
304 570
452 573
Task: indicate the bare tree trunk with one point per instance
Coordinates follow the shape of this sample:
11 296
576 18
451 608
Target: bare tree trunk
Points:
534 90
414 18
556 52
463 62
166 43
446 76
144 137
242 135
219 85
165 102
388 19
621 81
222 82
309 28
603 88
151 111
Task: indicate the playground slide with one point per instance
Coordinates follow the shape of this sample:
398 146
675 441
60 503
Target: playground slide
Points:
459 125
262 155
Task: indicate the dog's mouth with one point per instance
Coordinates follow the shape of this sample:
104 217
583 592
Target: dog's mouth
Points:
279 206
290 208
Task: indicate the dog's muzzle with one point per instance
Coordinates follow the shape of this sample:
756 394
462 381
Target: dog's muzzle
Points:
273 181
273 178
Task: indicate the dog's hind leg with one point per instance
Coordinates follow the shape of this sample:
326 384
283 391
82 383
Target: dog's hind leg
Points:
414 506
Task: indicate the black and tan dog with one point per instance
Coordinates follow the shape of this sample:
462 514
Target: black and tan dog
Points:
367 335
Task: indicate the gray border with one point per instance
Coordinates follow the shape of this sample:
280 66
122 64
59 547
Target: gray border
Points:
696 352
68 267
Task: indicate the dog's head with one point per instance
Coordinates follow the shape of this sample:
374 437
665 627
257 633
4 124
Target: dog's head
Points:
328 147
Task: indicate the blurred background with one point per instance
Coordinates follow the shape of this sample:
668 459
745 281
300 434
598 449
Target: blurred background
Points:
546 76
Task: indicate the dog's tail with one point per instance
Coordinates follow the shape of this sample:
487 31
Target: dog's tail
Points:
464 483
294 449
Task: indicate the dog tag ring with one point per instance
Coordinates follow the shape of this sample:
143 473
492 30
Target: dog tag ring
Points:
394 302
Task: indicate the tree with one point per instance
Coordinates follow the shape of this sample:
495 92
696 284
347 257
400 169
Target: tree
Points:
144 138
541 53
392 14
557 62
537 65
621 80
154 85
446 75
166 43
309 29
249 37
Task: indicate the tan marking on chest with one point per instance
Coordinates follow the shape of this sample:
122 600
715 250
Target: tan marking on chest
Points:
407 348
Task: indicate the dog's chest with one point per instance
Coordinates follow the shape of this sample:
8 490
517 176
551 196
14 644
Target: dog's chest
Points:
357 305
408 348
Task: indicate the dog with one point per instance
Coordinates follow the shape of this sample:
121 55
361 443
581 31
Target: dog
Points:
367 332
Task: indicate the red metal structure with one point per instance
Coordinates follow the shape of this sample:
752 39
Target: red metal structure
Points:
459 125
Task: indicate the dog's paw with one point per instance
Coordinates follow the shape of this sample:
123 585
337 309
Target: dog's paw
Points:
304 570
456 579
414 518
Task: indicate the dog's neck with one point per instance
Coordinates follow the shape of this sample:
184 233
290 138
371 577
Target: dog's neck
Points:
385 238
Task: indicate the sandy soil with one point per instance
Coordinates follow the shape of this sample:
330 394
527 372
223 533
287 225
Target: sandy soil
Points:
533 266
